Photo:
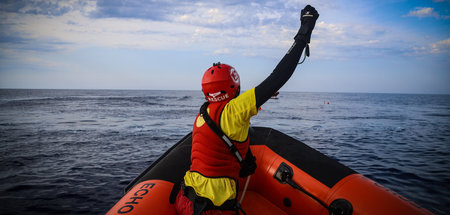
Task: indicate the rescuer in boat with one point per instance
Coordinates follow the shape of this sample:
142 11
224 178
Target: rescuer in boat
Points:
220 143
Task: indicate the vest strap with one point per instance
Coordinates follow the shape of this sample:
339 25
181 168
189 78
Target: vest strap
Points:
213 126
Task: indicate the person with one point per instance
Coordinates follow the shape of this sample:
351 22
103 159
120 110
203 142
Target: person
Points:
210 185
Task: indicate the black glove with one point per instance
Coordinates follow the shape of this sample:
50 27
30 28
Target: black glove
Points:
248 165
308 19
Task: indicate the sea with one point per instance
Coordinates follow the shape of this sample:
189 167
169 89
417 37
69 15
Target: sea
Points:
74 151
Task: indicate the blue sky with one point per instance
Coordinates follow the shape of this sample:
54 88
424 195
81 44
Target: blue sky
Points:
385 46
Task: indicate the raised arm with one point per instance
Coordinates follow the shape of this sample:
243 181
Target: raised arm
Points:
286 67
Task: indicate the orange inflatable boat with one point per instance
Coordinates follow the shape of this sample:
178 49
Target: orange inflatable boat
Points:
291 178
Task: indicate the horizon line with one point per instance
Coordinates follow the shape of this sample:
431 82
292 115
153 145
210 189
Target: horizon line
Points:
199 90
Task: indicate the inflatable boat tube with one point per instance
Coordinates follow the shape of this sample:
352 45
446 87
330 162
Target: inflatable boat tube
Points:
291 178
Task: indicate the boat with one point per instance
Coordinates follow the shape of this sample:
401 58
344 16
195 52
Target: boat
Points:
291 178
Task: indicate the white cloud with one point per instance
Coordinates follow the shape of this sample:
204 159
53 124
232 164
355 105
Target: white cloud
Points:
318 4
216 15
205 16
423 12
222 29
196 30
222 51
442 46
78 30
347 40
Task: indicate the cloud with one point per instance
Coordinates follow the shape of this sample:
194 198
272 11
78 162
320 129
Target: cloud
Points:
207 16
423 12
223 15
442 46
206 13
222 51
350 40
206 26
79 30
135 9
43 7
213 27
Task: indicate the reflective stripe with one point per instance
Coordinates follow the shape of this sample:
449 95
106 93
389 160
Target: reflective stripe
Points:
233 148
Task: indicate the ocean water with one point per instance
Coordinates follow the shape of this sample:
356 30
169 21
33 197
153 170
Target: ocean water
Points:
73 151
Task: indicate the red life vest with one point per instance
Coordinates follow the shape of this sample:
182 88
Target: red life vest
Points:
210 156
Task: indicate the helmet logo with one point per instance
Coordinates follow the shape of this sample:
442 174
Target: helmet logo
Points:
214 94
234 75
214 97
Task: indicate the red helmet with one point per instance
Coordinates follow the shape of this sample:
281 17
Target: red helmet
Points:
220 83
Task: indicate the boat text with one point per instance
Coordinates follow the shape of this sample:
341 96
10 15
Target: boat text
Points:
134 200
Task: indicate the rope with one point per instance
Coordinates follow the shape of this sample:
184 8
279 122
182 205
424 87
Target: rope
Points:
245 189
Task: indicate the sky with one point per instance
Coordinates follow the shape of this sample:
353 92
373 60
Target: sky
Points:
383 46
